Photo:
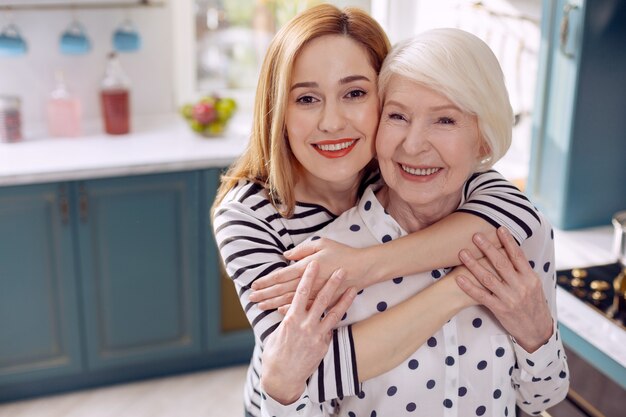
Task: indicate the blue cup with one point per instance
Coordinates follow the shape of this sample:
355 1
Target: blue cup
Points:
11 42
126 38
74 40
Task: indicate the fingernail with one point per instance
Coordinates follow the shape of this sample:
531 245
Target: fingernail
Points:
461 280
504 231
287 253
464 255
253 296
479 238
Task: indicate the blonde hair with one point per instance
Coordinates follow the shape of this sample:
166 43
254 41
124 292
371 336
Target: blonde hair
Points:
268 159
463 68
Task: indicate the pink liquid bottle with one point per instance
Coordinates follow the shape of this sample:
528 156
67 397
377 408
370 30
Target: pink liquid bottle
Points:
64 111
115 98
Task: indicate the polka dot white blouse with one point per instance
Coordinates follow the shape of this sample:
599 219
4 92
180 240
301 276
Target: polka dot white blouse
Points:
471 367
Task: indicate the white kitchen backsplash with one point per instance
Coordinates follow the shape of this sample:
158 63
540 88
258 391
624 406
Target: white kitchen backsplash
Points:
31 77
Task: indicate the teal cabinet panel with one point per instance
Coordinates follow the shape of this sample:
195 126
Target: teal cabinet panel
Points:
138 241
577 171
230 337
39 327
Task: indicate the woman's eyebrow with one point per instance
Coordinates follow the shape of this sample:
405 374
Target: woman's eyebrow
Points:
306 84
351 78
344 80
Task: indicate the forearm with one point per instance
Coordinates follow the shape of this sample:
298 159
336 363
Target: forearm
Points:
436 246
386 339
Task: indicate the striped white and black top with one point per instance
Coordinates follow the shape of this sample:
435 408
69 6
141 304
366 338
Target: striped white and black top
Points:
252 236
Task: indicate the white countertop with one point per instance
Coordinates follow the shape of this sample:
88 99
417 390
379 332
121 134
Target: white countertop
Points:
165 143
156 144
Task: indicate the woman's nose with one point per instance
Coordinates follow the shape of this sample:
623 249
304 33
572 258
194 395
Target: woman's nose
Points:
416 141
332 118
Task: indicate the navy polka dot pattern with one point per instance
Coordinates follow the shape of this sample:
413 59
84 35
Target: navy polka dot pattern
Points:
467 367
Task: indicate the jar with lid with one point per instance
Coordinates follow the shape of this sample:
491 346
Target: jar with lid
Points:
115 98
10 119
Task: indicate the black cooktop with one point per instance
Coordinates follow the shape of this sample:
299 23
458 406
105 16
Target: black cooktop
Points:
594 286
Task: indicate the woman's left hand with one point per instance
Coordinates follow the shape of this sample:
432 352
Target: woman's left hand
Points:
512 290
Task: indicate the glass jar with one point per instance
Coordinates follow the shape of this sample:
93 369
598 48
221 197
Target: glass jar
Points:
10 119
115 98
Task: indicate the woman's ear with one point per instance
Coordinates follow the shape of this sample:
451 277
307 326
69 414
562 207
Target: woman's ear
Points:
484 154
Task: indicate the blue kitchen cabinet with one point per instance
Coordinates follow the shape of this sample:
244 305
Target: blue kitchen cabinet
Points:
577 172
39 321
110 280
138 256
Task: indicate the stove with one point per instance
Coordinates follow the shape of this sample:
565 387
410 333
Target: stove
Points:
602 287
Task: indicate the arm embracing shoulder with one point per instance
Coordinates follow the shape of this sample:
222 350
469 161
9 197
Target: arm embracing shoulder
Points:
488 201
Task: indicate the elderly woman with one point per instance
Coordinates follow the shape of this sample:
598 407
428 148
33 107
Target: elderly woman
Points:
446 115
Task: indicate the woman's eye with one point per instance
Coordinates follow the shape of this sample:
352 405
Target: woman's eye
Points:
356 94
306 100
446 121
396 116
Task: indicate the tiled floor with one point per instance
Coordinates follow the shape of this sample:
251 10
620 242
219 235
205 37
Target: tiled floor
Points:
215 393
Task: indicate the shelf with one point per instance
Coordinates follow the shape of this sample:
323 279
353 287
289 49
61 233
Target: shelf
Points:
77 5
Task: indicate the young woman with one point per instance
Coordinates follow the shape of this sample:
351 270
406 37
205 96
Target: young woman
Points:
310 159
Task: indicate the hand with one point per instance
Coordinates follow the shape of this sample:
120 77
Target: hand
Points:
293 352
278 288
512 290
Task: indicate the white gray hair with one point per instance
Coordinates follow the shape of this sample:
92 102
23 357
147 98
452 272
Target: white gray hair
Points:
463 68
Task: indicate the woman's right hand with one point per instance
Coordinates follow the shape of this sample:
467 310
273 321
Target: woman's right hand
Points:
278 288
294 351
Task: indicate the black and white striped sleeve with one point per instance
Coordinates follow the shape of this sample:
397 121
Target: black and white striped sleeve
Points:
491 197
251 248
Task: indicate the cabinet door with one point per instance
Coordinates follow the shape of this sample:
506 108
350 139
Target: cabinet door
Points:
577 171
38 296
228 331
139 265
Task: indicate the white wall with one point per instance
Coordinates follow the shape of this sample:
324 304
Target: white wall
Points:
31 77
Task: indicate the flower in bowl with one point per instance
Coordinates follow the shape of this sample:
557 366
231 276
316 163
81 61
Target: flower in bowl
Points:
209 115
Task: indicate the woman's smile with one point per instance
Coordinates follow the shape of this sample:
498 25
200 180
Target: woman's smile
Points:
335 148
422 174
